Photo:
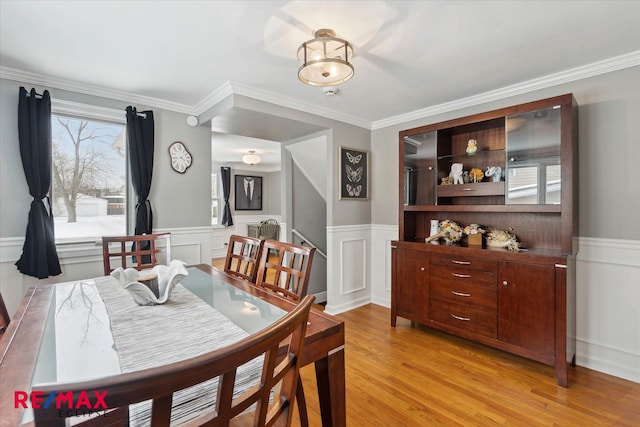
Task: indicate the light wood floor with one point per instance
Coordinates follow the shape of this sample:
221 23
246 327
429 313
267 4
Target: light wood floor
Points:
415 376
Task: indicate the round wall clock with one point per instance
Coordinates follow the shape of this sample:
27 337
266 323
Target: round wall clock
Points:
180 157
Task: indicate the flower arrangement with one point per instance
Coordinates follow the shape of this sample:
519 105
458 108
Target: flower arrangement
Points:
474 229
449 230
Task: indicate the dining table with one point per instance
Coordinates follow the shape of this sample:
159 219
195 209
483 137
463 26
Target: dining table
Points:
91 329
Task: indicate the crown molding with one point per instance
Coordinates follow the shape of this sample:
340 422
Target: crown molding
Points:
284 101
631 59
87 89
602 67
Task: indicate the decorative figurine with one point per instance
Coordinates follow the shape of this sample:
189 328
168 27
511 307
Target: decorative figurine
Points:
456 173
465 177
476 175
495 172
472 146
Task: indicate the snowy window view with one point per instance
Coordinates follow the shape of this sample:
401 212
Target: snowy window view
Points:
88 191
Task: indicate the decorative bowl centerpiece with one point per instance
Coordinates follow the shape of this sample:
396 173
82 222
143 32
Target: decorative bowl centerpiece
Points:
503 239
142 285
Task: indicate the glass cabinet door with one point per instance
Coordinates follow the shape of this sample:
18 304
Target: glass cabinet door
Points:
533 157
420 169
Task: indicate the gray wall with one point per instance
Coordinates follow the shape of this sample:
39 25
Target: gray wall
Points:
340 212
178 200
609 158
309 210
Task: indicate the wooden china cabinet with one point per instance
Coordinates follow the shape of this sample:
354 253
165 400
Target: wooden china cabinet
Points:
521 301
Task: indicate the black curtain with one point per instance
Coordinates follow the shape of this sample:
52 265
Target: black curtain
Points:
39 257
226 190
140 147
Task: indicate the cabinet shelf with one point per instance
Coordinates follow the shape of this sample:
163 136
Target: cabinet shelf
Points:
486 208
464 155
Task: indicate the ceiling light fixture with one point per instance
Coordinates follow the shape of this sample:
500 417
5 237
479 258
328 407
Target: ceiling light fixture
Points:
324 60
251 159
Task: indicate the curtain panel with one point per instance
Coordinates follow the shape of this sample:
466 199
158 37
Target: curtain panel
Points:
140 145
39 256
225 172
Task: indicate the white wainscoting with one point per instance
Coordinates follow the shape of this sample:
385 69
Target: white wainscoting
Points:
381 237
81 261
348 267
608 306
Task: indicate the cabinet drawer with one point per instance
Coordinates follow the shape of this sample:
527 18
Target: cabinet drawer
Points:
463 263
463 316
459 292
463 275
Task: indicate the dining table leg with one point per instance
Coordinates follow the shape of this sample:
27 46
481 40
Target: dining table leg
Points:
330 377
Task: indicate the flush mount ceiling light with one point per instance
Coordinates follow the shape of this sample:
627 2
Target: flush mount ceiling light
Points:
324 60
252 158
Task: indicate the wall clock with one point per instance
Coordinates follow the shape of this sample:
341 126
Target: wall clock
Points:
180 158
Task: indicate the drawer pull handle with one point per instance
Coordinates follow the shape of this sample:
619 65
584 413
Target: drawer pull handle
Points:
465 319
460 294
464 276
421 268
455 261
467 189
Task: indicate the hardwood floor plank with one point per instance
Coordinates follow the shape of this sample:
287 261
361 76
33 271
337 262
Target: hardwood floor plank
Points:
415 376
411 375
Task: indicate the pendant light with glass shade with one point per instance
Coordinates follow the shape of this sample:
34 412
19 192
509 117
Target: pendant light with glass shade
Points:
324 60
252 158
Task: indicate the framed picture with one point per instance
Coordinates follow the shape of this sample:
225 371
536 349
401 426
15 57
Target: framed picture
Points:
354 174
248 193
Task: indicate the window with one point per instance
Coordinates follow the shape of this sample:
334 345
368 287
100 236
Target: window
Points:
214 199
89 182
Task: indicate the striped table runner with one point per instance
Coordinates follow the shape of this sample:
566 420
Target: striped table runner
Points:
157 335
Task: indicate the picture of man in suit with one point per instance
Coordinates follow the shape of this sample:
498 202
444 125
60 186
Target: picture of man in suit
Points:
248 192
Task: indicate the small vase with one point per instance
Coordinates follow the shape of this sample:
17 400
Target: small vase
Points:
434 230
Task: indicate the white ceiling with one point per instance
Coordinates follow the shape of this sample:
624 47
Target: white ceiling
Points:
409 55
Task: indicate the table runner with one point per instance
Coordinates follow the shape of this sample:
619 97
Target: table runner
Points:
183 327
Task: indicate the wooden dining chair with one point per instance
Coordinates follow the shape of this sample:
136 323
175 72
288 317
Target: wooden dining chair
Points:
284 268
273 395
242 258
4 316
140 251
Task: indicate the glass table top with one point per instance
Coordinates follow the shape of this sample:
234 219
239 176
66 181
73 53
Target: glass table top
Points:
78 343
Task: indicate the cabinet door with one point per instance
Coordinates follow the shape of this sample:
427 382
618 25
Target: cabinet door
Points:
526 306
410 295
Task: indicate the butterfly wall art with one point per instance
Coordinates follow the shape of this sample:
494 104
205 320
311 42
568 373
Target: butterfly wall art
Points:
354 174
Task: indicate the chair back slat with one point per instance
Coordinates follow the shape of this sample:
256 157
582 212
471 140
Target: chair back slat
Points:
4 316
285 268
242 258
280 366
140 251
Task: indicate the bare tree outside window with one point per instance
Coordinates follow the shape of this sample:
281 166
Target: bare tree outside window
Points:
89 177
